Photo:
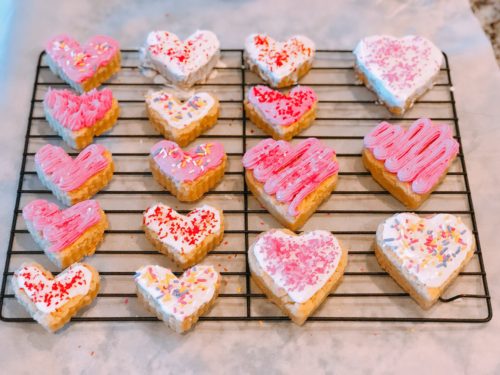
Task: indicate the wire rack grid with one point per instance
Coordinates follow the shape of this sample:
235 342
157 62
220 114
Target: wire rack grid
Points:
347 110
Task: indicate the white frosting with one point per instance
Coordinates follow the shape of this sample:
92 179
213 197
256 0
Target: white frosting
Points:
301 265
183 63
298 50
398 69
178 297
50 294
177 114
425 251
182 233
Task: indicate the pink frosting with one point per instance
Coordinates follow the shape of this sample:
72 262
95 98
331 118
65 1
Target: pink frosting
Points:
281 109
419 155
78 62
187 166
76 112
60 228
291 173
66 173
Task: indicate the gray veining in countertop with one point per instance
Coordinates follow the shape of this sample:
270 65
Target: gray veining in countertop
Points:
261 347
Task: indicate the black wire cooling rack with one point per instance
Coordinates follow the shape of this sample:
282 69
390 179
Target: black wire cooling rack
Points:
347 110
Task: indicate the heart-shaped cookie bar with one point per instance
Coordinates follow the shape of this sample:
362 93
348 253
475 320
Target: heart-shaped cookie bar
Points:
74 180
52 301
186 239
297 272
182 63
188 174
411 163
424 255
83 67
78 118
399 71
182 122
280 64
282 116
179 302
291 181
66 236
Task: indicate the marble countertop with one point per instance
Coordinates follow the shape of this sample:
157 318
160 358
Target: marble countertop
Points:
367 348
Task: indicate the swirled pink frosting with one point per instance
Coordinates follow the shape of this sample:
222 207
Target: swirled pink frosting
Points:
291 173
419 155
186 166
78 62
76 112
61 228
66 173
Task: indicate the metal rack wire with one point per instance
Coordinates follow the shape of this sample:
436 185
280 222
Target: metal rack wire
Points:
346 112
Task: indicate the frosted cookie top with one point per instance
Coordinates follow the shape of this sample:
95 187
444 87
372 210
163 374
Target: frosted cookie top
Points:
180 297
429 250
278 59
398 68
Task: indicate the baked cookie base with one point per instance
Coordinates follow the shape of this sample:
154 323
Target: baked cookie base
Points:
189 133
297 312
395 110
85 245
402 191
180 326
424 296
276 131
102 74
280 210
56 320
193 257
289 80
189 191
85 191
80 139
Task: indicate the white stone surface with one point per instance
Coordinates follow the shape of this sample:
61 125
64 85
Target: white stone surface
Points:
261 348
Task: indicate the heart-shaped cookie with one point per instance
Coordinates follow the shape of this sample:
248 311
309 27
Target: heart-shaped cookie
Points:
281 115
52 301
178 301
78 118
398 70
411 163
183 63
182 122
186 239
297 272
188 174
74 180
291 181
83 67
424 255
280 64
66 236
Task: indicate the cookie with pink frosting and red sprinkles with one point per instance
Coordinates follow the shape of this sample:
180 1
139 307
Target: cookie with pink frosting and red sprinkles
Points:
282 116
79 118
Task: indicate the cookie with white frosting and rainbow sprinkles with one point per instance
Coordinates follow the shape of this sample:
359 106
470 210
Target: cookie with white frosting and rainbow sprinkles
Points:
83 67
282 116
297 272
179 302
186 239
424 255
53 300
397 70
182 121
280 64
